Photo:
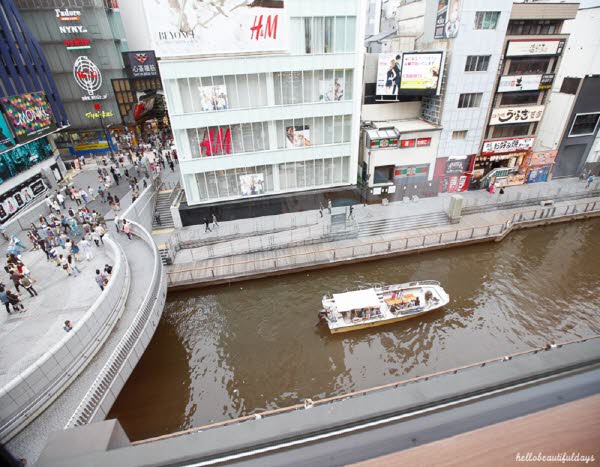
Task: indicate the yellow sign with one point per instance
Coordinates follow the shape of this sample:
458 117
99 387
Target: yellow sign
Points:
101 114
91 146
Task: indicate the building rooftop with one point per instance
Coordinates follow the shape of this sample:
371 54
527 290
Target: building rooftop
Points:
410 125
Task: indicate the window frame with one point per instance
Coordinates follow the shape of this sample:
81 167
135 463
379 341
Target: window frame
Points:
571 135
482 16
478 59
464 132
470 98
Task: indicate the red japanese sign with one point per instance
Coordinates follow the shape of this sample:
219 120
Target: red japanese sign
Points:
408 143
423 142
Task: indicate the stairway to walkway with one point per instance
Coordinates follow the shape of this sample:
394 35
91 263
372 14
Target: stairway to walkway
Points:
163 207
397 224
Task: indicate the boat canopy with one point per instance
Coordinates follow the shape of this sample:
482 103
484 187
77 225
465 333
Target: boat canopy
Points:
355 300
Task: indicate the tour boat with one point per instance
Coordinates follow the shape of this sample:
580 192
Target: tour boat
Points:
376 306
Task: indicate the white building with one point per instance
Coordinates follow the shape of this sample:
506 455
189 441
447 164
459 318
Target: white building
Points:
251 121
473 59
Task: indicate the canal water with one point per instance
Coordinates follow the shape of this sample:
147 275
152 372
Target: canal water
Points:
228 351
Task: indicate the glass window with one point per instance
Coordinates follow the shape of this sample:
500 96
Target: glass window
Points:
477 63
469 100
318 172
517 98
339 30
347 127
350 33
486 19
337 170
459 135
383 174
528 66
296 96
584 124
328 34
308 35
328 130
570 85
338 128
507 131
327 171
202 189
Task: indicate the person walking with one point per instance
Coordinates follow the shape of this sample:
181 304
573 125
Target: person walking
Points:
15 277
321 209
101 193
61 199
4 299
64 264
172 165
100 279
351 213
15 301
207 224
28 285
127 230
117 203
86 248
99 230
83 196
590 180
73 265
214 220
329 205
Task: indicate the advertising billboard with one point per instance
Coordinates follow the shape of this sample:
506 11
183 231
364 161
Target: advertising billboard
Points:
183 28
421 72
542 157
6 139
388 74
29 115
521 114
297 136
447 19
140 64
331 90
536 47
457 166
252 184
502 146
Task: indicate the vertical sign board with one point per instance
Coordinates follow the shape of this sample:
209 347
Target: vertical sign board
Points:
447 19
183 28
141 64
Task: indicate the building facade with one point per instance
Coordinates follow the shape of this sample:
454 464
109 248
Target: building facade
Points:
572 104
273 113
533 48
83 41
31 115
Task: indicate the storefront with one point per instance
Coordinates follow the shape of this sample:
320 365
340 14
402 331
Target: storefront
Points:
453 174
500 161
537 166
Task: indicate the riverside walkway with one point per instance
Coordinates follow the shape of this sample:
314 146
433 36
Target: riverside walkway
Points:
51 379
292 242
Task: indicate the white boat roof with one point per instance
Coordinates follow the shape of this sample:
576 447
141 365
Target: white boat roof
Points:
358 299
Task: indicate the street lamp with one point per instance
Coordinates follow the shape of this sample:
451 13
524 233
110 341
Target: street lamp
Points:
98 108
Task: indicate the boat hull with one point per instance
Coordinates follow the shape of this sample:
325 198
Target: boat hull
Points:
382 322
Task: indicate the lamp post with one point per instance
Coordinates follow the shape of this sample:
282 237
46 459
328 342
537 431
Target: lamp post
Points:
98 108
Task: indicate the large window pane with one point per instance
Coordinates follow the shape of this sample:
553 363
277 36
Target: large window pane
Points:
318 172
350 33
339 33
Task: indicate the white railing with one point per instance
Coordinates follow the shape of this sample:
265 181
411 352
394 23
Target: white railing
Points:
100 397
32 391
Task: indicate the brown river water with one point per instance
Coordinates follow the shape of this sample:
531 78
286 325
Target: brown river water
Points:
228 351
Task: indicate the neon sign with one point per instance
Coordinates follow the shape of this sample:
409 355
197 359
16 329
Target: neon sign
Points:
87 75
75 44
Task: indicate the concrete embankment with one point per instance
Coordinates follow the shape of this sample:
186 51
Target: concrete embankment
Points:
475 228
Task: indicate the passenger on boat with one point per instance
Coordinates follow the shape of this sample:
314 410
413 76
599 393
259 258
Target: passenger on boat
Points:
417 301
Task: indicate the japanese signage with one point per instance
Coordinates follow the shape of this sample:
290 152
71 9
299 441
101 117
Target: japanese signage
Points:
76 44
507 145
408 143
411 171
457 166
537 47
384 143
99 114
6 139
546 81
421 142
388 74
421 71
141 64
183 28
87 75
29 115
542 158
506 115
447 19
525 83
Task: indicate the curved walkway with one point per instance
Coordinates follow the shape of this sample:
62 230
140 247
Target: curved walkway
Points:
29 442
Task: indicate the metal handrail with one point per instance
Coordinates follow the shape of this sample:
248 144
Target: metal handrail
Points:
457 237
97 392
362 392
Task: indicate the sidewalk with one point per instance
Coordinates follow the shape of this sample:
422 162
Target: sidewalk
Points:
246 235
